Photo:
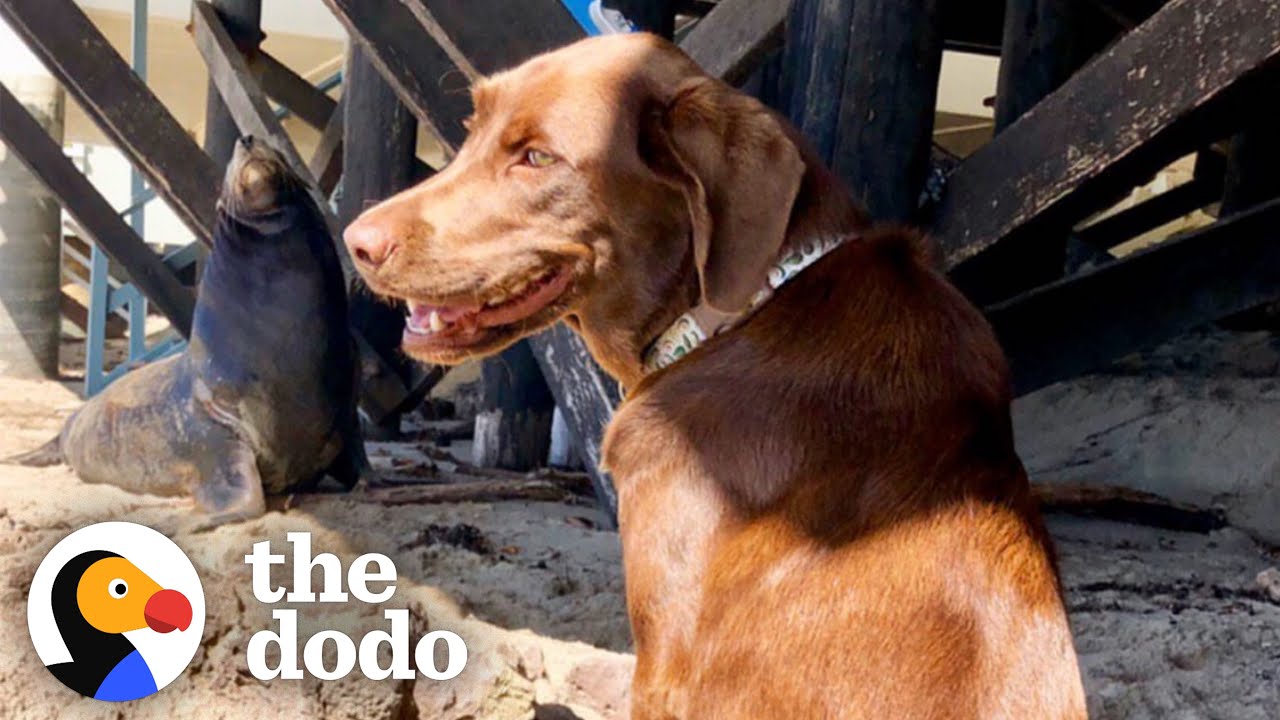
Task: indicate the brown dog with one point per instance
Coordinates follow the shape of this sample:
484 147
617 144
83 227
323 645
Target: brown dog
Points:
822 512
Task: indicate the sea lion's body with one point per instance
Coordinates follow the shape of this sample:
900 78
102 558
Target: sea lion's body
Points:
264 394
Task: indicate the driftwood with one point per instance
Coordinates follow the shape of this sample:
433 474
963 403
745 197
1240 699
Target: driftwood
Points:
1127 505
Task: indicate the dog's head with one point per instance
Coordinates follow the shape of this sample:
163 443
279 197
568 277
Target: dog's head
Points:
611 183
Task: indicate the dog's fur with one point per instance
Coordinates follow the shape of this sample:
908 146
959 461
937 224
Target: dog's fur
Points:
822 512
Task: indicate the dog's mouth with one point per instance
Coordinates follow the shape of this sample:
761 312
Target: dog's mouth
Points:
444 332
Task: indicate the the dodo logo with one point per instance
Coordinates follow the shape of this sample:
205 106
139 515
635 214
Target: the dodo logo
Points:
116 611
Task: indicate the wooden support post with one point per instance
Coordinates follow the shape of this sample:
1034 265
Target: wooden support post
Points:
1044 44
121 105
1148 99
813 68
885 131
28 140
586 396
243 20
311 104
1079 324
378 161
513 429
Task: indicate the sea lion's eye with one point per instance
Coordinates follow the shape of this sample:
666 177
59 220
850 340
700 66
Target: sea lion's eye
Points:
118 588
539 158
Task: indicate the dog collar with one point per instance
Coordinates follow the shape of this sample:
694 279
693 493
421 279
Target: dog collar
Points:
701 322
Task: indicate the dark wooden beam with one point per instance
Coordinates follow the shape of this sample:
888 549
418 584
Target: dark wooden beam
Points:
1162 89
326 163
513 429
1203 189
1080 324
885 131
814 59
247 104
527 28
414 62
243 20
732 39
1045 42
378 162
1253 169
586 397
312 105
25 138
119 103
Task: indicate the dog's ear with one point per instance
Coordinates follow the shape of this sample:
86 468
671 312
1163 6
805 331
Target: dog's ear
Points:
740 174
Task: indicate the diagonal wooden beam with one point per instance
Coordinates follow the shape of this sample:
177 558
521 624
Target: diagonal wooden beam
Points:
1082 323
26 139
732 39
416 65
326 163
75 52
311 104
247 104
1165 86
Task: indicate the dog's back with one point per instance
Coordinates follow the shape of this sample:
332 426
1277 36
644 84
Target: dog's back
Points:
861 533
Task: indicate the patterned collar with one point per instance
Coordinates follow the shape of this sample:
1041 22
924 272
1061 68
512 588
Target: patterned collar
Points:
701 322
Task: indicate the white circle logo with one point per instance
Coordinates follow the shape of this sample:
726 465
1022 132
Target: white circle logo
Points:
116 611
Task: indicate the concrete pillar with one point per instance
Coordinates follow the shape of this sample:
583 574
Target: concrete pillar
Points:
30 229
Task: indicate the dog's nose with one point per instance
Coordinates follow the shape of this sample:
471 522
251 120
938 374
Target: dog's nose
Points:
369 242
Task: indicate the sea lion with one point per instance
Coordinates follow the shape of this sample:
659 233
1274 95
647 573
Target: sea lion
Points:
263 397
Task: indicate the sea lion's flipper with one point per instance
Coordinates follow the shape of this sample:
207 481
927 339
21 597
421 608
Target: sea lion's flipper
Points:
46 455
352 464
232 489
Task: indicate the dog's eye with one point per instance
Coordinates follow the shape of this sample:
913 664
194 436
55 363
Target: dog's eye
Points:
538 158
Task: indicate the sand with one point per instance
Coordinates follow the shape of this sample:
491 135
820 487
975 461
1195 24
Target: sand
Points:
1168 625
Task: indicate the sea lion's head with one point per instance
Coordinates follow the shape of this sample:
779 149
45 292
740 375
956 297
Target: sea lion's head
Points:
258 183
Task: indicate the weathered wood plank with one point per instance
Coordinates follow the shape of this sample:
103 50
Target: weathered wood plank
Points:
1045 42
513 429
732 39
1138 106
248 106
1082 323
884 135
378 161
586 396
1204 188
422 72
119 103
814 60
526 28
312 105
28 140
326 163
243 19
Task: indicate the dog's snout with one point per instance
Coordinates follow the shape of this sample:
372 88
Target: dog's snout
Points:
370 242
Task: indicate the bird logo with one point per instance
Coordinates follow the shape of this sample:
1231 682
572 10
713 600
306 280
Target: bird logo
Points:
116 611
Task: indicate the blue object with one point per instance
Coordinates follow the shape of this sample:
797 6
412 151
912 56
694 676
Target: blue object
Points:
596 19
130 679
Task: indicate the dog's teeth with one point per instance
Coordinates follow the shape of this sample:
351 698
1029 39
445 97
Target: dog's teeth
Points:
520 288
434 321
497 300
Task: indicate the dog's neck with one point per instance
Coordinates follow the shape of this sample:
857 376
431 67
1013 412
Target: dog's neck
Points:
702 321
